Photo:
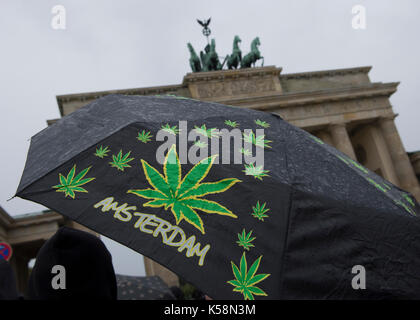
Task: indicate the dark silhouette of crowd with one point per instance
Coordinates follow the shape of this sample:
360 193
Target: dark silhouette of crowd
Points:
72 265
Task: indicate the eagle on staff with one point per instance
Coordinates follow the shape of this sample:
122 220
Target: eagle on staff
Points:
206 29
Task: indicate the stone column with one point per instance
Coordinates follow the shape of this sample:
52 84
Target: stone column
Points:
341 139
19 265
155 269
387 165
72 224
403 167
325 136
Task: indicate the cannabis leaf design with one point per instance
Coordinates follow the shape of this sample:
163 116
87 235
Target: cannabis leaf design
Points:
376 184
144 136
257 141
259 211
262 123
200 144
316 139
101 152
382 186
245 239
232 124
71 184
209 133
245 151
406 207
257 172
121 162
349 161
408 199
172 130
247 279
182 195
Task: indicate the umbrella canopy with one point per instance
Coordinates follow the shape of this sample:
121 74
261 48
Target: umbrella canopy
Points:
142 288
292 227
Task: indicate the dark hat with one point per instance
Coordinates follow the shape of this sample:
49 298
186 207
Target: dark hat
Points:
8 289
89 273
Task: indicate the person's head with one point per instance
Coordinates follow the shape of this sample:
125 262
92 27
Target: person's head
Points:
73 264
8 289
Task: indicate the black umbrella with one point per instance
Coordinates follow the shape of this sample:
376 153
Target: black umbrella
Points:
142 288
292 226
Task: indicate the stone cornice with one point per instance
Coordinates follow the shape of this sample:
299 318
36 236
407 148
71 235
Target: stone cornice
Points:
233 74
190 78
274 101
15 222
36 219
414 156
326 73
389 117
52 121
98 94
415 161
5 219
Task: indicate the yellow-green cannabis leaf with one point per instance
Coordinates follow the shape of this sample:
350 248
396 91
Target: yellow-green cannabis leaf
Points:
200 144
232 124
121 162
245 280
259 211
71 183
245 152
245 240
257 141
257 172
144 136
262 123
209 133
172 130
184 195
101 152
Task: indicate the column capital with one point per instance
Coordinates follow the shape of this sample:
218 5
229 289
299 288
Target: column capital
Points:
402 164
338 124
341 138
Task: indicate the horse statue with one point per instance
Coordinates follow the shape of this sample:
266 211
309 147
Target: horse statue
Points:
235 58
194 60
253 56
209 58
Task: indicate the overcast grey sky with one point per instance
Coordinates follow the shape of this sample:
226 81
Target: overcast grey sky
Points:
127 44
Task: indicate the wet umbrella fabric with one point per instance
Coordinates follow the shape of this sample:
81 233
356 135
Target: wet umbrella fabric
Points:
142 288
294 228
